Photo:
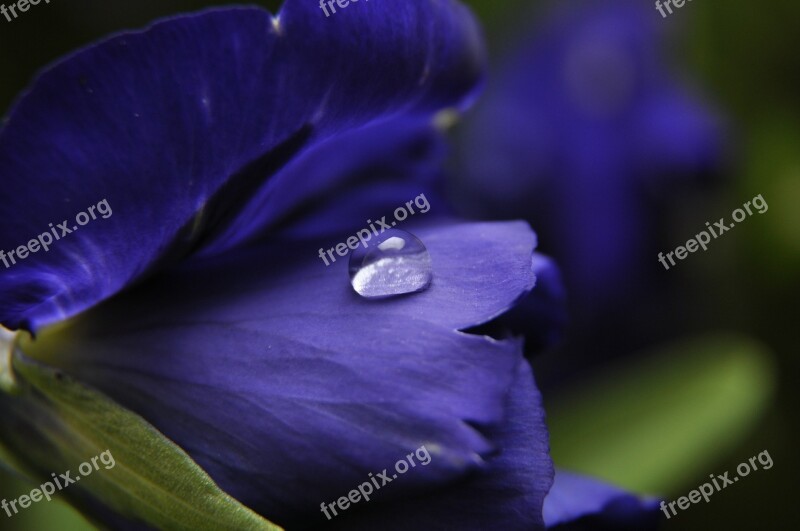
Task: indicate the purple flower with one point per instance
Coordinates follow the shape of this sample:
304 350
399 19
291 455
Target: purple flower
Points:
225 148
224 143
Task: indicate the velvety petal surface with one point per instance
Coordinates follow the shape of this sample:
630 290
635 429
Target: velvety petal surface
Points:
288 388
580 503
507 494
177 126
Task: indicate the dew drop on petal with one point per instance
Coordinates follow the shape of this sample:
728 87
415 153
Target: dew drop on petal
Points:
394 263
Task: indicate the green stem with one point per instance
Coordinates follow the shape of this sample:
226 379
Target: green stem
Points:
8 344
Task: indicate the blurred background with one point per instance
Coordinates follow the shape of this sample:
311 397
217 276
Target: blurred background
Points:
618 134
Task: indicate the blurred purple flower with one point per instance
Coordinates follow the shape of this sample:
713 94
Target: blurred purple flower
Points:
582 132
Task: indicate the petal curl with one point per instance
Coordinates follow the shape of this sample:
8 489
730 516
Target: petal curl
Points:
541 316
578 502
371 171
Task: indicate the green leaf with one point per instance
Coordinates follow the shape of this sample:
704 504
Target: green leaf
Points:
658 424
55 423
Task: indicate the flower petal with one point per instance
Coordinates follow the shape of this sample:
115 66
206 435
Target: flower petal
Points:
288 388
176 127
541 316
577 502
369 171
508 494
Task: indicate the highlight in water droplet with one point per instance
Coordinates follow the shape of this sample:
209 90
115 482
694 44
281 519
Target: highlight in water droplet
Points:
395 263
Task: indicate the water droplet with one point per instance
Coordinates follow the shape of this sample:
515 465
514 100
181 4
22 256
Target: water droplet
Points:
395 263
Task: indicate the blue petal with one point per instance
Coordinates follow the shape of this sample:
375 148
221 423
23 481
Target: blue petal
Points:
541 316
289 389
178 125
508 494
576 502
333 189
